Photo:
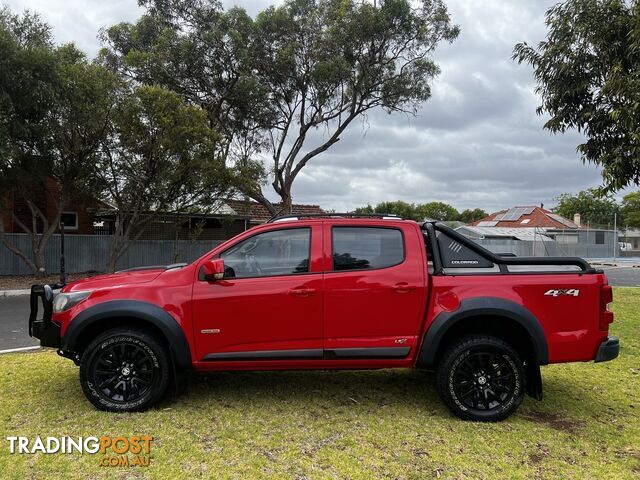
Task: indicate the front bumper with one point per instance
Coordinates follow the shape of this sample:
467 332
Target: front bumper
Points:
608 349
44 329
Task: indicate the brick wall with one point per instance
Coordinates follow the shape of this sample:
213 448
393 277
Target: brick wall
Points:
43 197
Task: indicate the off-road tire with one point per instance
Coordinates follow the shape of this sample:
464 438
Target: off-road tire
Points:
139 363
481 378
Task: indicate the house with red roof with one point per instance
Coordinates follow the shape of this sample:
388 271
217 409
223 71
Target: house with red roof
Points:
528 217
533 230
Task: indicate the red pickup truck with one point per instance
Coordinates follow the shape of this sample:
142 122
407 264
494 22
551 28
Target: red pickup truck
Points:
334 292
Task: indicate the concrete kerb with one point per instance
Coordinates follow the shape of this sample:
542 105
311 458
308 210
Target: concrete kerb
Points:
14 293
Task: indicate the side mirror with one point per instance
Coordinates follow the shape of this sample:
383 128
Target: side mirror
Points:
213 269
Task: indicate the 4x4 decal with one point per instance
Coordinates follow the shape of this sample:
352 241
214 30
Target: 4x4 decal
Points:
574 292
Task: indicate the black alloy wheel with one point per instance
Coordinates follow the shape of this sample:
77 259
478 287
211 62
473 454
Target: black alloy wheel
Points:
125 370
483 381
481 378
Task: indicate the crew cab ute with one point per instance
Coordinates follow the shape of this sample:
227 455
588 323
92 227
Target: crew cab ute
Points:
338 291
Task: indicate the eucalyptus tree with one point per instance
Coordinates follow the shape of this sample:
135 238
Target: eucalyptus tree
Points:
588 75
412 211
630 209
595 209
160 156
54 111
267 84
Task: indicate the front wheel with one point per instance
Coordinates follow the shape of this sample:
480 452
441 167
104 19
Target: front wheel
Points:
481 378
125 370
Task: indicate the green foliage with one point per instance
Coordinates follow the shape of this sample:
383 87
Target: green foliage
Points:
594 209
160 155
588 74
437 211
54 112
139 147
79 121
468 216
400 208
412 211
162 152
267 83
29 78
27 29
630 210
55 108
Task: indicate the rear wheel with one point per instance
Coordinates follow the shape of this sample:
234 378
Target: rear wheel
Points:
125 370
481 378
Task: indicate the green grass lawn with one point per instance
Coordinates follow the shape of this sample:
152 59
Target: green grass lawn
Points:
360 425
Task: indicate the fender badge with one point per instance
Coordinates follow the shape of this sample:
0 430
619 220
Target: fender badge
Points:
210 330
574 292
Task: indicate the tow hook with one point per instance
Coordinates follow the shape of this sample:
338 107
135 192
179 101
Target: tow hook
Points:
71 355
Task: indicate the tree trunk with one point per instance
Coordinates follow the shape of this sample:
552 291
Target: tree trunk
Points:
40 263
262 200
115 250
111 263
39 241
124 235
16 251
286 206
113 255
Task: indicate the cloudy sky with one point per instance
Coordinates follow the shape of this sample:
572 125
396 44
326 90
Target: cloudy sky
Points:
476 143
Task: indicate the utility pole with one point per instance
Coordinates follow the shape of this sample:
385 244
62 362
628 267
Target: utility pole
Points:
615 235
63 275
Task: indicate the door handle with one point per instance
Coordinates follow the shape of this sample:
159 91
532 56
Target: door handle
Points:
302 291
403 287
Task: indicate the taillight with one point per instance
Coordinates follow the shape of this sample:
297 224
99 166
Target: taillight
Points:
606 315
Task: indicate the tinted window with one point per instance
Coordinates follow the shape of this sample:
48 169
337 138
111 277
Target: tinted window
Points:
355 248
70 220
279 252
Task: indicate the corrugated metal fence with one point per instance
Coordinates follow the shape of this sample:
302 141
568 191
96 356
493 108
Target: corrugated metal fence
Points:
548 248
84 253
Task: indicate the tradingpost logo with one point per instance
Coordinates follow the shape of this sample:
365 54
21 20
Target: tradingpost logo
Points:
119 451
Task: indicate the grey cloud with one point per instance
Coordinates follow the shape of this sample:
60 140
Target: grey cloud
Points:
79 21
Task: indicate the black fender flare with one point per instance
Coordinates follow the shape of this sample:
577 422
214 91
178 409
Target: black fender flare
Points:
147 312
483 306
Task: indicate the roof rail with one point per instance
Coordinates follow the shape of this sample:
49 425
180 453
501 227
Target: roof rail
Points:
389 216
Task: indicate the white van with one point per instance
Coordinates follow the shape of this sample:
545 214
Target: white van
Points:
625 246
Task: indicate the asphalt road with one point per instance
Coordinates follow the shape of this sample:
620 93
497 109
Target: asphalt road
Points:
623 276
14 311
14 328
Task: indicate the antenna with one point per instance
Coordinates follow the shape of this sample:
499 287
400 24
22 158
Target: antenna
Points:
276 215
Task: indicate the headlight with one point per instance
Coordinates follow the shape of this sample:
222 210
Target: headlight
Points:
64 301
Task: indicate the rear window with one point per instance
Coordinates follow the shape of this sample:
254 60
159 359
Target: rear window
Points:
358 248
